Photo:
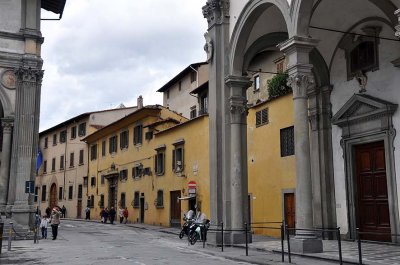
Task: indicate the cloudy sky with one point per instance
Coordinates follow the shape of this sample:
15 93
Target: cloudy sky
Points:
104 53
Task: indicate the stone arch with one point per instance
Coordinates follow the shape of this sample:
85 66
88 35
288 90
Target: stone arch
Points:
301 13
320 68
5 101
247 18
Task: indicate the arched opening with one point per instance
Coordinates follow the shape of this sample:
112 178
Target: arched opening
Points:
53 196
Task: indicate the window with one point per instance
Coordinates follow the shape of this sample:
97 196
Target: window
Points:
102 180
70 190
124 139
203 105
112 148
60 193
362 57
193 112
46 142
137 134
136 201
93 152
43 193
287 141
123 175
91 201
101 202
167 94
80 191
85 181
63 136
149 135
177 159
54 139
53 165
137 171
44 166
73 132
193 76
160 199
103 148
82 129
122 201
93 181
257 83
62 162
159 165
262 117
180 85
71 160
36 193
81 154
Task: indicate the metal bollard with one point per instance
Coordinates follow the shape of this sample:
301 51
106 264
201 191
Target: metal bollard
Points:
339 246
359 246
282 246
10 236
247 243
222 236
34 235
288 243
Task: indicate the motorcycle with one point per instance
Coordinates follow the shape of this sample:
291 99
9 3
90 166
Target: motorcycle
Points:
185 227
198 231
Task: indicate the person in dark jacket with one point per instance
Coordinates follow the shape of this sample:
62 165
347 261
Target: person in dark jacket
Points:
48 212
112 214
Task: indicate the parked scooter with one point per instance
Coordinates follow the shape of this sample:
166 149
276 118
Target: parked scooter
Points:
188 222
198 231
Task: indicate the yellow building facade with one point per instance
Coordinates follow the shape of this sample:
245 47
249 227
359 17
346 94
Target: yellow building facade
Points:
145 162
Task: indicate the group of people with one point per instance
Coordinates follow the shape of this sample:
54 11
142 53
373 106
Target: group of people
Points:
52 217
106 215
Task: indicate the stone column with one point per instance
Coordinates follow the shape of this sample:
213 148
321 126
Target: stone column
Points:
238 153
217 44
7 124
25 140
301 80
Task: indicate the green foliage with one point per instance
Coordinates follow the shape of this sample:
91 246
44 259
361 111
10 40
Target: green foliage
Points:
277 86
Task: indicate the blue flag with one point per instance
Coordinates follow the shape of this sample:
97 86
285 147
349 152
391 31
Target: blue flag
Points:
39 160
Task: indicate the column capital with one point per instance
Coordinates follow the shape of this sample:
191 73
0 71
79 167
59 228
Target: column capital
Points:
397 13
301 84
216 11
27 74
237 101
238 81
7 123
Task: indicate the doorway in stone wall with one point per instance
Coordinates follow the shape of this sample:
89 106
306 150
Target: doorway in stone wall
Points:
53 196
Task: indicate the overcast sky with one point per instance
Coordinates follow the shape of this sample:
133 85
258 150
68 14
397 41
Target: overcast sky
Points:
103 53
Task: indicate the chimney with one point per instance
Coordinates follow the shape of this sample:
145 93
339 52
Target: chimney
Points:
140 102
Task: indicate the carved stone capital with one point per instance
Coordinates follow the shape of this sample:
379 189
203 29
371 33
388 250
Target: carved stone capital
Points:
29 75
7 125
216 11
301 84
397 13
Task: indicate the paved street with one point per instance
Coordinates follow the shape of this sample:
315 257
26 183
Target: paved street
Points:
95 243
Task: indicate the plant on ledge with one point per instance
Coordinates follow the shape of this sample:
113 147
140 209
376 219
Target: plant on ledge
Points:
277 85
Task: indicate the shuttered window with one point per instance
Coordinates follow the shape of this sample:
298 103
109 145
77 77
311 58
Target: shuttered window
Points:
287 141
262 117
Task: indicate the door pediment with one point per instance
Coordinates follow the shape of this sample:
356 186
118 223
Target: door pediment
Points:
360 108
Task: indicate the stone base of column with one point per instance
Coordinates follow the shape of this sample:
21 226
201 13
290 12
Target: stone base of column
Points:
23 214
306 245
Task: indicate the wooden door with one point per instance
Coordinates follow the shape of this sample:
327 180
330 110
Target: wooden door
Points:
142 208
290 211
53 196
175 214
79 209
372 194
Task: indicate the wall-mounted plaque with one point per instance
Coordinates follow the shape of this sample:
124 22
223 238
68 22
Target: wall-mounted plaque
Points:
8 79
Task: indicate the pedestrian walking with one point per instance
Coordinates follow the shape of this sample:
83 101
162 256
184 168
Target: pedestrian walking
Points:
112 215
104 215
126 214
55 221
63 211
87 213
43 226
121 214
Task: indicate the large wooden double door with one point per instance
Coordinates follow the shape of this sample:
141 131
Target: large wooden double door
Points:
372 194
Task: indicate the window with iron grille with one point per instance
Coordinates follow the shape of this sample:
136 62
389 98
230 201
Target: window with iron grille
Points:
53 164
62 162
82 129
70 192
44 166
138 134
73 132
93 152
123 174
93 181
60 193
81 154
287 141
160 199
85 181
136 201
123 200
80 191
71 160
159 162
112 148
137 171
54 139
46 142
36 193
63 136
43 193
262 117
103 148
124 139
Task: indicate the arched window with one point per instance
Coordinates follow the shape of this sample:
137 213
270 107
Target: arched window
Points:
362 57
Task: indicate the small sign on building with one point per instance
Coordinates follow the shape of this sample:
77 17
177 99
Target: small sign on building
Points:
192 186
29 186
